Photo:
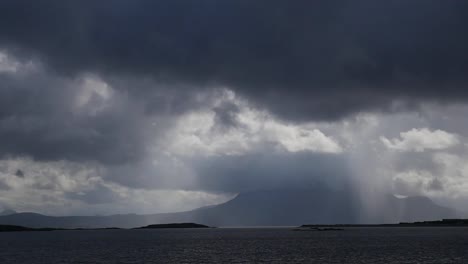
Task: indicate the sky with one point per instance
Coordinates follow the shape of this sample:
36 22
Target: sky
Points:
148 106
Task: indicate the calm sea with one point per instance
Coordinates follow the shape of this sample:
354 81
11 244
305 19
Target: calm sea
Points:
222 245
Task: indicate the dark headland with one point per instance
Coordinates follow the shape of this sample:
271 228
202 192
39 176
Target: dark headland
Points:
14 228
174 225
438 223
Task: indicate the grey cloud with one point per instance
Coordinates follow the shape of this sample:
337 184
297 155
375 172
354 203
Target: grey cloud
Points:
99 194
4 186
420 185
403 187
301 59
418 161
38 119
226 115
436 185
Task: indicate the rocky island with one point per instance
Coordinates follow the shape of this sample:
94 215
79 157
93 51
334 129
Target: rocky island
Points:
174 225
312 228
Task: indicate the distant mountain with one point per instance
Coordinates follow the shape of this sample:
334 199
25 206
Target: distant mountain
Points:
281 207
263 208
317 206
411 209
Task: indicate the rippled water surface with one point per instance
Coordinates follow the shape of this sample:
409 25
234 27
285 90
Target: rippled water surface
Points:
354 245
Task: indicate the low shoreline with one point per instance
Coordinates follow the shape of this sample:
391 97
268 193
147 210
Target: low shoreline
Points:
438 223
16 228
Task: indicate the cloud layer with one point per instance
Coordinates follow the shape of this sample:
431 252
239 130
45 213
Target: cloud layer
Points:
301 60
170 105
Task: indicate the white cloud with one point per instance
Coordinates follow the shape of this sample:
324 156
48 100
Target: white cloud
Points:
418 140
196 133
295 138
446 182
11 65
7 64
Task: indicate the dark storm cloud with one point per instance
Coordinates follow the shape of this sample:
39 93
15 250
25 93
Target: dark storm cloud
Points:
301 59
271 171
38 119
266 169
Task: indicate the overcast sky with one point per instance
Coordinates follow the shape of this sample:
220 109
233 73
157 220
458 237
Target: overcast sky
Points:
159 106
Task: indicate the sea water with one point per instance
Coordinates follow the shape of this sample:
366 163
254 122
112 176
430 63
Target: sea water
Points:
238 245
